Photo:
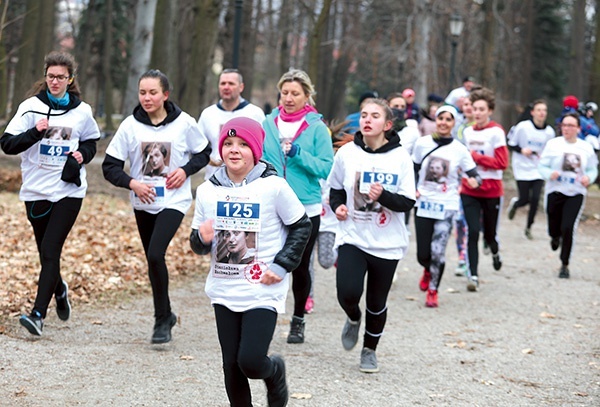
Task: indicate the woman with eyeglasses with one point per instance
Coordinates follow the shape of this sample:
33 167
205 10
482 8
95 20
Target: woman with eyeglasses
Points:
160 200
53 171
569 166
486 141
298 144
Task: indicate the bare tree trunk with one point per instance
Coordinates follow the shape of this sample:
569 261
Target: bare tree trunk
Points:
595 69
108 88
350 27
45 34
203 39
326 63
315 42
577 49
165 40
248 44
34 46
527 55
489 43
422 39
141 51
284 30
3 63
83 48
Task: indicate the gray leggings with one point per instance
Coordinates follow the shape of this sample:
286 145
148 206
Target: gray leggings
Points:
432 239
326 255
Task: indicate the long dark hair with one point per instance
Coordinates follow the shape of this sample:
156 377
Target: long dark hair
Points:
56 58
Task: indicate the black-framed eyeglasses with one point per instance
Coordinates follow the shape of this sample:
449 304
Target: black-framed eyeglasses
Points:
59 78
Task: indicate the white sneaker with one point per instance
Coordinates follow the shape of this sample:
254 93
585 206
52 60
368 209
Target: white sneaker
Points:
473 284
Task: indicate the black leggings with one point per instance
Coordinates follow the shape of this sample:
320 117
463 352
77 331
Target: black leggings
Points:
353 264
245 338
563 217
529 193
301 275
156 232
51 224
474 208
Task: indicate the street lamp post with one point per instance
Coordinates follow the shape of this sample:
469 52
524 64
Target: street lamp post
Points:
456 27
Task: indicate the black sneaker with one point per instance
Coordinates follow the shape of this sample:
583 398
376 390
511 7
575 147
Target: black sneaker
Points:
555 243
162 329
63 306
564 272
512 208
497 261
296 334
33 322
277 390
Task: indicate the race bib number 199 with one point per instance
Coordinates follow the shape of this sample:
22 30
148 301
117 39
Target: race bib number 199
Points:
243 216
387 180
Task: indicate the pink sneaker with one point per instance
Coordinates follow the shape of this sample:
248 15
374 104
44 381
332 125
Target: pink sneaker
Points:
308 308
424 283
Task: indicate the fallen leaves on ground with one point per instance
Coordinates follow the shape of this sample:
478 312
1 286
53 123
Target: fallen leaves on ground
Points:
103 253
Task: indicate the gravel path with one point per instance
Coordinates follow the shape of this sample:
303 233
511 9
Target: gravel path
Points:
527 338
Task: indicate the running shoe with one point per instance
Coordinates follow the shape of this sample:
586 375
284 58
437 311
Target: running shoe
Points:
277 390
432 300
309 306
424 283
486 248
63 306
512 209
368 361
564 272
528 234
350 334
461 269
497 261
33 322
473 284
555 243
162 329
296 334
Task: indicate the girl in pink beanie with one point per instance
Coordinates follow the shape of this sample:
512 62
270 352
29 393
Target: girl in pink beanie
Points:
247 129
246 195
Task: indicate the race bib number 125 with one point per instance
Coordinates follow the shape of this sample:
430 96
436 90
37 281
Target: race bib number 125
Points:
238 216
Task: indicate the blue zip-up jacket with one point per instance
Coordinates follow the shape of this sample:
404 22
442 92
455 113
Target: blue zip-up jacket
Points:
311 161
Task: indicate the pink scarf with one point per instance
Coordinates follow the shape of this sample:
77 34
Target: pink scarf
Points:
294 117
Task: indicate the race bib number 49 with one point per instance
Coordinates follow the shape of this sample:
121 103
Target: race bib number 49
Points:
53 153
243 216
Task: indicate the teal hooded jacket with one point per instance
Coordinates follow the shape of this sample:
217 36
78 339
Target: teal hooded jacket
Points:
311 162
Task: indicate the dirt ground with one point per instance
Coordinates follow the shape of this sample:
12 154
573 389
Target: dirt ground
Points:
526 338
